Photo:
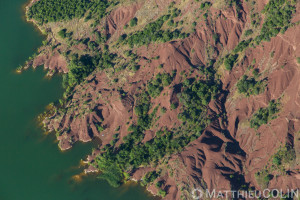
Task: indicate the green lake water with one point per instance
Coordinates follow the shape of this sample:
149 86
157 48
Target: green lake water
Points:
31 166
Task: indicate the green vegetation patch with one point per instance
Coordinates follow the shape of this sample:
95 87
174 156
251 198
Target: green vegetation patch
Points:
250 86
133 22
263 178
195 98
150 177
264 115
153 33
82 67
79 68
45 11
279 162
230 61
278 15
284 156
156 85
130 155
133 153
144 119
205 5
248 32
242 46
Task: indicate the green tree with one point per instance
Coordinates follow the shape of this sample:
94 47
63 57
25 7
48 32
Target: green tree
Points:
133 22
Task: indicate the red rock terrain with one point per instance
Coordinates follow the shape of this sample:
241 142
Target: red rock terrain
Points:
229 152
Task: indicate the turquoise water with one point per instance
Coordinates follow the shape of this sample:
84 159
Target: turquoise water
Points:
32 167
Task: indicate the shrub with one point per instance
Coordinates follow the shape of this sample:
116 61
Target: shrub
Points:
158 184
166 17
62 33
205 5
150 177
162 193
163 110
174 106
133 22
216 37
248 32
255 73
111 173
171 22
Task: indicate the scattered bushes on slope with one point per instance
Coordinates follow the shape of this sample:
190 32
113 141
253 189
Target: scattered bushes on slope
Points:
132 153
153 33
264 115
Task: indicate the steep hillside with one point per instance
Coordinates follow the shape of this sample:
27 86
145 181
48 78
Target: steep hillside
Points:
183 94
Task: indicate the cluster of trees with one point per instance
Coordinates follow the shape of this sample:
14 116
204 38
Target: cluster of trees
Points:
195 98
45 11
175 12
207 70
278 17
141 110
248 32
264 115
249 86
205 5
64 34
230 61
242 46
81 67
156 85
152 33
237 4
284 156
100 38
150 177
114 162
